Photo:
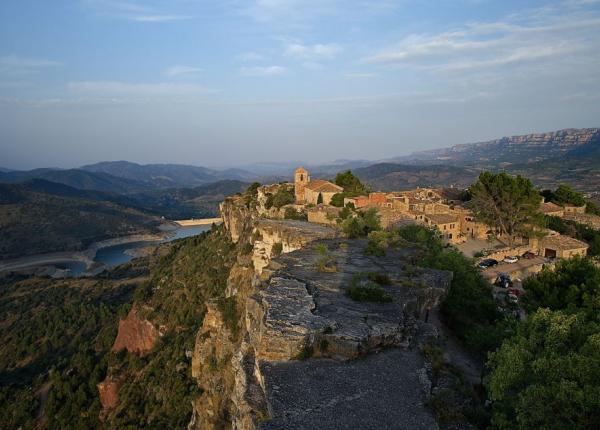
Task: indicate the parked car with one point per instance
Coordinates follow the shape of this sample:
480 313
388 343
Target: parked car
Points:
514 291
488 262
528 255
503 281
511 259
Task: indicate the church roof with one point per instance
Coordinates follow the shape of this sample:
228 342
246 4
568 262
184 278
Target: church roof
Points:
320 185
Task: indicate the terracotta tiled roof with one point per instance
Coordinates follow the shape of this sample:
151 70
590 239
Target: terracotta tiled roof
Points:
320 185
550 207
563 242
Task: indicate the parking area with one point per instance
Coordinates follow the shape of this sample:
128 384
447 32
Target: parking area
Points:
519 270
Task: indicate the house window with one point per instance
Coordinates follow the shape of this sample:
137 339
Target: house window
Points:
301 178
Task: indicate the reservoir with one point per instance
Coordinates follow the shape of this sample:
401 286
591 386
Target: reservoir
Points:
118 254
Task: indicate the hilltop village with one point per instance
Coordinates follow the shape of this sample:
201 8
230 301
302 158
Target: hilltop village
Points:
443 209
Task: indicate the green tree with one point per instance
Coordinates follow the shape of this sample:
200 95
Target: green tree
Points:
338 200
564 194
547 375
574 284
350 183
283 196
510 203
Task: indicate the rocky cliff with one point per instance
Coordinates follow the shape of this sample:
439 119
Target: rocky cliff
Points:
513 150
279 350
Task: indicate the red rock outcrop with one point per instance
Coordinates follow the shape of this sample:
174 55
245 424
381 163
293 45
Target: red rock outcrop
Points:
109 392
135 334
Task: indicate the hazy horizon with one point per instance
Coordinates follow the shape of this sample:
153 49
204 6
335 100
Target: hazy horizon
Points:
236 83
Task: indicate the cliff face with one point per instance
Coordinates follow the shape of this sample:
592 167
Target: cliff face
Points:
285 324
514 149
135 334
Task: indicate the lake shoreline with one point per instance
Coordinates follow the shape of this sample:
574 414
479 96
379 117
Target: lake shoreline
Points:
46 264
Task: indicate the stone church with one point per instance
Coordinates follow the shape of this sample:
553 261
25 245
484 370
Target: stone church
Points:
313 192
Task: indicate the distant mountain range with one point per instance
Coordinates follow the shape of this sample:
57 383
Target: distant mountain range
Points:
570 155
508 151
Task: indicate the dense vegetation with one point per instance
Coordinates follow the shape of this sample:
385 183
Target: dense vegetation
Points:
547 375
158 387
510 203
33 222
55 338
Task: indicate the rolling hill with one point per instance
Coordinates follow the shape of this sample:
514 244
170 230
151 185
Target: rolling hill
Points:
165 175
77 178
34 222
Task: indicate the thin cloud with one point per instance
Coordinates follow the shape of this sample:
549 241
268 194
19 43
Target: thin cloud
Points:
136 91
360 75
135 10
12 64
307 52
542 35
182 71
263 70
158 18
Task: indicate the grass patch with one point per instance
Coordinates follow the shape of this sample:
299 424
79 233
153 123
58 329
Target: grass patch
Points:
228 308
363 289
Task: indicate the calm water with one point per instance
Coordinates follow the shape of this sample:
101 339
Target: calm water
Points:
73 268
116 255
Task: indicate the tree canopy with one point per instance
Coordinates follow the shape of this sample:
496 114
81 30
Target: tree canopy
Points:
350 183
563 195
547 376
573 284
507 202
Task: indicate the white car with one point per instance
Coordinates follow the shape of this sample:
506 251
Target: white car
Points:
511 259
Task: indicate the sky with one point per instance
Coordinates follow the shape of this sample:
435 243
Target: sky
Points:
232 82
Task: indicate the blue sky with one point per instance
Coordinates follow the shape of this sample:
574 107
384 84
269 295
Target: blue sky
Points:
234 82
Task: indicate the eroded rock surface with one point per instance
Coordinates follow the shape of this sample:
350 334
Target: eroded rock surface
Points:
135 334
380 391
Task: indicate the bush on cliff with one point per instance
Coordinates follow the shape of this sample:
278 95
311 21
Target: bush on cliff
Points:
361 224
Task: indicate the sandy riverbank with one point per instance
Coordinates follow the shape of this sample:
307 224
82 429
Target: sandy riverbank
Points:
86 256
203 221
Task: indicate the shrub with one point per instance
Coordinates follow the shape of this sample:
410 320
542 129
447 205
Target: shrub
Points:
363 289
228 308
361 224
306 352
337 200
277 249
283 196
291 213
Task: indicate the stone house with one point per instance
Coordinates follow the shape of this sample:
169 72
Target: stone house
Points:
570 209
552 209
322 214
313 192
559 246
447 224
